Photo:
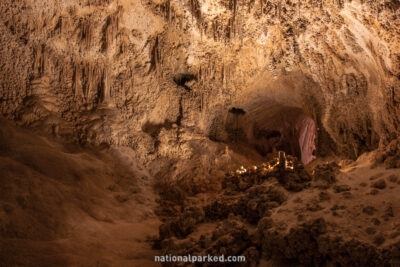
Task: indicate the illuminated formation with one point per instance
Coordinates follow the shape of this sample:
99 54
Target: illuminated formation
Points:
281 163
285 168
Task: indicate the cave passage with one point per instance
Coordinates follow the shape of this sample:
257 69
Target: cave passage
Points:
273 127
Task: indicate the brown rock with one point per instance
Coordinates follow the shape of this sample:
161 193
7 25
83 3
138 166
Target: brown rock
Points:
341 188
379 239
393 178
374 192
376 221
370 210
370 231
376 176
380 184
324 196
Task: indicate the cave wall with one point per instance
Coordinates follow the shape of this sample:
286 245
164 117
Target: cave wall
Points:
103 71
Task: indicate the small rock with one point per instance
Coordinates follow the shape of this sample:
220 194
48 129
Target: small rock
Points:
323 196
393 178
379 239
347 195
337 207
374 192
380 184
341 188
300 217
314 207
394 235
121 198
242 186
376 221
370 231
326 174
388 212
376 176
265 223
369 210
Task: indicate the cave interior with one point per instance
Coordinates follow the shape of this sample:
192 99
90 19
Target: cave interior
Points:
263 131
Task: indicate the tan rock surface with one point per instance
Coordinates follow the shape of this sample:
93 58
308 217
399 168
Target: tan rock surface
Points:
100 70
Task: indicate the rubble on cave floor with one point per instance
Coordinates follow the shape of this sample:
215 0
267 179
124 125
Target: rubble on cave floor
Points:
277 213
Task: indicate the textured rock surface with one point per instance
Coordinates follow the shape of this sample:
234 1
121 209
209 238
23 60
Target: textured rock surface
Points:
256 214
103 71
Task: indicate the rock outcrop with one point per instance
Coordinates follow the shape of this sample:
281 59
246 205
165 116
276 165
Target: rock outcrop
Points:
283 217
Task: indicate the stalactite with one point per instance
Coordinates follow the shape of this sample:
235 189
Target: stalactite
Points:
228 30
195 9
233 7
85 32
103 88
76 86
201 101
279 10
214 29
111 28
223 75
168 10
122 41
39 59
262 6
90 80
154 55
59 26
200 76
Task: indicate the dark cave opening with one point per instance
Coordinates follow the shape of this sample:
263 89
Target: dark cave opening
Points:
274 128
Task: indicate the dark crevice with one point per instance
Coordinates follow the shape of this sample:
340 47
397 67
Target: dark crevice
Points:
154 129
182 78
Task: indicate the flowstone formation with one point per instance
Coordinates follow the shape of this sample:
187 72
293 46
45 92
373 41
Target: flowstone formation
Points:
247 213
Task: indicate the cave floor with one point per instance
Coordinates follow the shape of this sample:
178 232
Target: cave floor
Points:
61 205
